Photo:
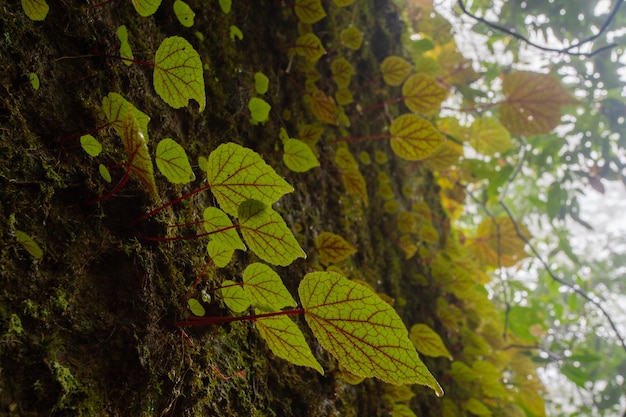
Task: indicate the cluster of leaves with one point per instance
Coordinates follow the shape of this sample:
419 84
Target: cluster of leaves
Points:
396 115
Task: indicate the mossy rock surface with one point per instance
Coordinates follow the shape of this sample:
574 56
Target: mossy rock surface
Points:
88 329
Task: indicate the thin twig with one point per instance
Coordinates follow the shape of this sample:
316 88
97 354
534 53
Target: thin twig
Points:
567 50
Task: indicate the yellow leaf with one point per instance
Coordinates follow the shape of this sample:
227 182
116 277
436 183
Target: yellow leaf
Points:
29 244
414 138
428 342
333 248
35 9
342 71
444 156
395 70
310 47
354 183
351 38
533 103
309 11
499 238
344 159
324 107
423 94
286 340
488 136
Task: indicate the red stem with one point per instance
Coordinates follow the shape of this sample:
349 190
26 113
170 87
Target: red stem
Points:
360 139
383 104
164 206
113 191
206 321
134 61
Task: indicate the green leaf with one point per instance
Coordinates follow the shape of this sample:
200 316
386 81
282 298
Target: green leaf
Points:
115 107
298 156
90 145
36 10
428 342
195 307
237 174
221 229
226 5
401 410
414 138
361 330
310 47
184 13
462 373
267 234
423 94
261 83
125 50
235 32
333 248
395 70
309 11
34 80
178 75
488 136
220 255
29 244
286 340
139 160
265 289
172 161
351 38
342 71
104 172
234 296
476 407
343 3
259 109
146 8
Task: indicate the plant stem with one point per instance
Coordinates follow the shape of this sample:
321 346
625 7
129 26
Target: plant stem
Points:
206 321
361 138
164 206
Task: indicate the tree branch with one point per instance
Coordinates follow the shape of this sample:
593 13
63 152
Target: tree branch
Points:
567 50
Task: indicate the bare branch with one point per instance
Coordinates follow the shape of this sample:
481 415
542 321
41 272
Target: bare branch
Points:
567 50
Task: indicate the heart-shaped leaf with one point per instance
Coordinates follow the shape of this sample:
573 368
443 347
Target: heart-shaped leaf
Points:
361 330
298 156
178 75
395 70
237 174
309 11
267 234
342 71
234 296
428 342
332 248
352 38
533 102
220 255
310 47
286 340
221 229
324 107
414 138
172 161
423 94
259 109
265 289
